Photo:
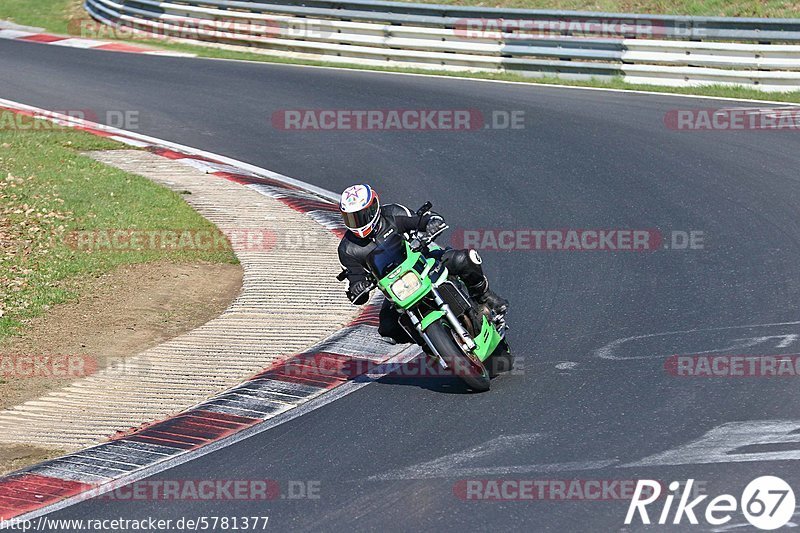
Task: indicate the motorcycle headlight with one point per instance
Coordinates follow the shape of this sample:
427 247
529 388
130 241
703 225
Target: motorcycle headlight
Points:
407 285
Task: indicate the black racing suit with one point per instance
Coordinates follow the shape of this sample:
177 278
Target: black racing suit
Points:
353 252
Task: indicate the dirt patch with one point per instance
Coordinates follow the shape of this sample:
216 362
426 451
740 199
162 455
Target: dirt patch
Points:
118 314
16 456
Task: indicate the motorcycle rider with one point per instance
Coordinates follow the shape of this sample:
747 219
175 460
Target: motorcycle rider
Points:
366 220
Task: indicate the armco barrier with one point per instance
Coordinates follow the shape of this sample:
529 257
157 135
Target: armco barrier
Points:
649 49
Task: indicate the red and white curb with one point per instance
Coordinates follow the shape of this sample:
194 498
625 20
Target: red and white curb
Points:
274 396
79 42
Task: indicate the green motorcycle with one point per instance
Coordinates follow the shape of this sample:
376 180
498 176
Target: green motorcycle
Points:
467 339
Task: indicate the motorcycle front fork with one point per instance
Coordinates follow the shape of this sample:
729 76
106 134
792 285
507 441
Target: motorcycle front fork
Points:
417 324
468 344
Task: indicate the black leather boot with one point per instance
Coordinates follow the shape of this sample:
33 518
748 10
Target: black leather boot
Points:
485 296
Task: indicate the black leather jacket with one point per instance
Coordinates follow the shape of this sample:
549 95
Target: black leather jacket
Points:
353 251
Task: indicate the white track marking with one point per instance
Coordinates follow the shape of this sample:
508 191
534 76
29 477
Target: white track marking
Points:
15 34
130 142
607 351
459 464
787 341
79 43
748 525
566 365
720 445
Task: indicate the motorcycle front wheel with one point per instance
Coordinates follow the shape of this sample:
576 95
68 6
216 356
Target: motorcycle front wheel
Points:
471 372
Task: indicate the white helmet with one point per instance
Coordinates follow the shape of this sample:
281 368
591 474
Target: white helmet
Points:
360 209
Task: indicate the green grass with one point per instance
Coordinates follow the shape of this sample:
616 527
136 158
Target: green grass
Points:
713 8
47 192
53 15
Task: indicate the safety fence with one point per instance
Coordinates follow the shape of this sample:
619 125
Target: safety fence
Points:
659 50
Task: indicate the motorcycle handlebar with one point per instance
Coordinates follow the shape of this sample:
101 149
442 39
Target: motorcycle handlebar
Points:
424 209
372 285
422 239
341 276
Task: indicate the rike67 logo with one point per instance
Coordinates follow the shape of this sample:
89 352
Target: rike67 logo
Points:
767 503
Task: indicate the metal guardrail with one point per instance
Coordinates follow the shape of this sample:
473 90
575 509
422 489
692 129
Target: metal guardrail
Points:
763 30
641 48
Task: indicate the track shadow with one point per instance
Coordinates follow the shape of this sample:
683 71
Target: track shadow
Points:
421 373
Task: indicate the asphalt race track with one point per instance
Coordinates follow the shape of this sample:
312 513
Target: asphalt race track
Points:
395 454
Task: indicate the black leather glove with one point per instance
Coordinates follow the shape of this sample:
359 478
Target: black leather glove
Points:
435 224
357 289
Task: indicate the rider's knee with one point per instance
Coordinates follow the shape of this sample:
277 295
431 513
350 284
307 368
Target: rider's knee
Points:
463 261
